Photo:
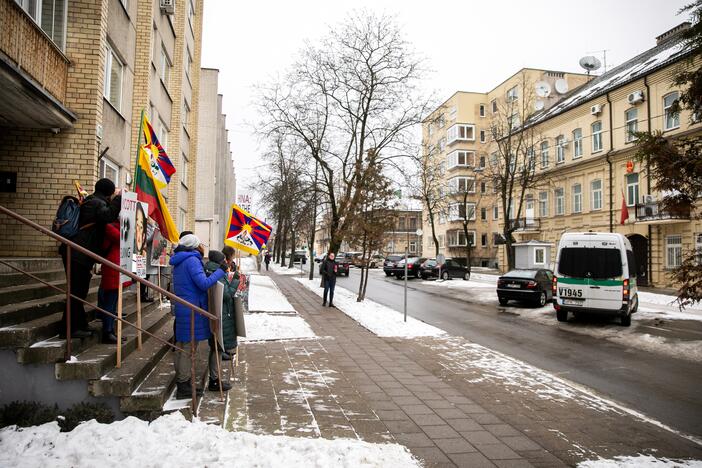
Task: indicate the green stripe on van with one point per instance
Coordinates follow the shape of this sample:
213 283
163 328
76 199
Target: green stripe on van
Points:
590 281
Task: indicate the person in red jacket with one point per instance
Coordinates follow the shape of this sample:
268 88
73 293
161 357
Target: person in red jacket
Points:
109 283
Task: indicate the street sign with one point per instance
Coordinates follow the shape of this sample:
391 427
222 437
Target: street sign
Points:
440 259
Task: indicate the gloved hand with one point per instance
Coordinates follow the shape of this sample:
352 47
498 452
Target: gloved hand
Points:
224 266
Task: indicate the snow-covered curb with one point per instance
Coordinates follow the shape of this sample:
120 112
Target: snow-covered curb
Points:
173 441
377 318
295 270
264 296
643 461
276 327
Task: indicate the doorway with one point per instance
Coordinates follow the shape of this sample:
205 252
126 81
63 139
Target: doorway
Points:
639 245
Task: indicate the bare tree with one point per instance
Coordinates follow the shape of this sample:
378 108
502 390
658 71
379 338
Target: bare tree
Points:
468 208
428 185
512 167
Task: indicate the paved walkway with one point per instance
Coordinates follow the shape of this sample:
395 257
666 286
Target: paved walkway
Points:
451 402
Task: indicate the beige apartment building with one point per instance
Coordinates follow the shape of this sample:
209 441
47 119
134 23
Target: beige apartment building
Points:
457 138
74 78
586 155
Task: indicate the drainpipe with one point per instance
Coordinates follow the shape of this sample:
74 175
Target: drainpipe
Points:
648 181
609 164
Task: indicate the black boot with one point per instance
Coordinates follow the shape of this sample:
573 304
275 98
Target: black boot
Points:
184 391
215 383
226 356
324 304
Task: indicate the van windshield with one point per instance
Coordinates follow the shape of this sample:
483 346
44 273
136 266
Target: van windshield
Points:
590 262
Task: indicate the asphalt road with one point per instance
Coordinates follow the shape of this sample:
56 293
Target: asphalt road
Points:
666 389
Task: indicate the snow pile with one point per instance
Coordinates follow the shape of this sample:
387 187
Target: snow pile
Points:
276 327
377 318
173 441
295 270
264 296
643 461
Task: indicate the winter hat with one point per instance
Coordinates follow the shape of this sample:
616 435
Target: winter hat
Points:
215 256
105 187
189 241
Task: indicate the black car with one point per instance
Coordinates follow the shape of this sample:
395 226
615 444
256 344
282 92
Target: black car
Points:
525 285
413 264
450 269
390 263
343 265
299 255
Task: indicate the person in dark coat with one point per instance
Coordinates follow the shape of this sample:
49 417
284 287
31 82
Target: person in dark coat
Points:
329 269
98 210
190 283
267 259
109 283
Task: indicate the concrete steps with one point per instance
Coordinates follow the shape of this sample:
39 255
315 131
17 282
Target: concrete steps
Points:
14 279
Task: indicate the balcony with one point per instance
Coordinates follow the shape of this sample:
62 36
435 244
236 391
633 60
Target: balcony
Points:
526 224
655 213
33 73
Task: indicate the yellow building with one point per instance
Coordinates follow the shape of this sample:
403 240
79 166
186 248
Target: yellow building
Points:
586 158
456 139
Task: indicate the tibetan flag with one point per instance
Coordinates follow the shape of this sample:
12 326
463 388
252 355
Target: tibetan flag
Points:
147 191
161 166
82 193
245 232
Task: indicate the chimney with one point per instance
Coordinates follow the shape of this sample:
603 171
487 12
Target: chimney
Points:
673 32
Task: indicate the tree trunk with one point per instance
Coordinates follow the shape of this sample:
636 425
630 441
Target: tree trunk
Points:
509 241
291 264
284 245
433 236
276 246
364 267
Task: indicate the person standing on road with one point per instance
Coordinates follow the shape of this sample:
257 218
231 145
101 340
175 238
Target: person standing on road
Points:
267 259
329 270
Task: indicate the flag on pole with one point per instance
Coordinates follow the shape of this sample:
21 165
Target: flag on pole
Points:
161 166
625 210
246 232
147 191
82 193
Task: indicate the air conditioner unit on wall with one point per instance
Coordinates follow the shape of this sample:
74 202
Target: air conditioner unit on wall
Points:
596 109
168 6
648 199
635 97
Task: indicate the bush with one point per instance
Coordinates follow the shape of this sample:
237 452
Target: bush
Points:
29 413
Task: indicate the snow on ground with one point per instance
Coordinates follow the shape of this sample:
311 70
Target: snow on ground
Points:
262 326
377 318
173 441
642 461
249 266
295 270
264 296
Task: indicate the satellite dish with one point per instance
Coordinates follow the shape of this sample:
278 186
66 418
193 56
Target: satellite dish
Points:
539 105
590 63
543 89
561 86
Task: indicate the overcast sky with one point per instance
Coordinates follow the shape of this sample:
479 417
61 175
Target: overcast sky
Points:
469 45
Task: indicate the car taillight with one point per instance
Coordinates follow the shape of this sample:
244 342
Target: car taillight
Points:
531 284
554 286
625 290
410 265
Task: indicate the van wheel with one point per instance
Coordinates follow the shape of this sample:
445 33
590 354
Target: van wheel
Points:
387 273
466 276
626 320
541 301
636 307
562 315
503 300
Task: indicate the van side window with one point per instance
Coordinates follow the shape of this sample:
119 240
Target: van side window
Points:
632 263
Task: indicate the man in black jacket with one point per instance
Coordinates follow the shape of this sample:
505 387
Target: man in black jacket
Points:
328 270
98 209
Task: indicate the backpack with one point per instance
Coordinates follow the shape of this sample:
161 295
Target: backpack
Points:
66 221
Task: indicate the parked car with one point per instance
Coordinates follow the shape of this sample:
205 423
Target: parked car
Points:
413 264
373 262
319 257
344 265
532 286
299 255
450 269
390 263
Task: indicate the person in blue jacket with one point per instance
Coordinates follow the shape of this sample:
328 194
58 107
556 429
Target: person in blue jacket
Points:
190 283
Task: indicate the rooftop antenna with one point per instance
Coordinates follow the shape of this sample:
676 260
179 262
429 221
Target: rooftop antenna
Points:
604 56
590 63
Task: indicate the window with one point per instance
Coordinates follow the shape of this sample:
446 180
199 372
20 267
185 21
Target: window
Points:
412 223
596 188
113 78
459 211
493 104
514 120
495 212
460 159
482 110
482 162
165 70
483 214
483 187
50 15
539 255
182 215
430 129
560 149
632 124
597 136
484 240
186 114
125 4
671 119
441 240
559 194
458 238
442 144
109 170
183 170
191 13
460 132
452 112
632 189
577 198
401 223
543 204
482 136
413 246
493 159
512 94
442 121
544 154
577 143
595 263
162 133
531 159
698 248
673 251
188 63
462 184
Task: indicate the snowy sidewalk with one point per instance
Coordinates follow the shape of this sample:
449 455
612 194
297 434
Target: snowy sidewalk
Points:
451 402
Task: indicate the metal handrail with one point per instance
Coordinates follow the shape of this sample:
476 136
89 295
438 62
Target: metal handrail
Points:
103 261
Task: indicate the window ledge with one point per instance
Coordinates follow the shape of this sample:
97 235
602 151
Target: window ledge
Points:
598 151
577 157
671 129
119 113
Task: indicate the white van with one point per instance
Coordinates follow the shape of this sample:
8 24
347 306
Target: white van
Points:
595 272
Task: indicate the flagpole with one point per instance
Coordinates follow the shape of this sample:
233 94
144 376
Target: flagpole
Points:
141 131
